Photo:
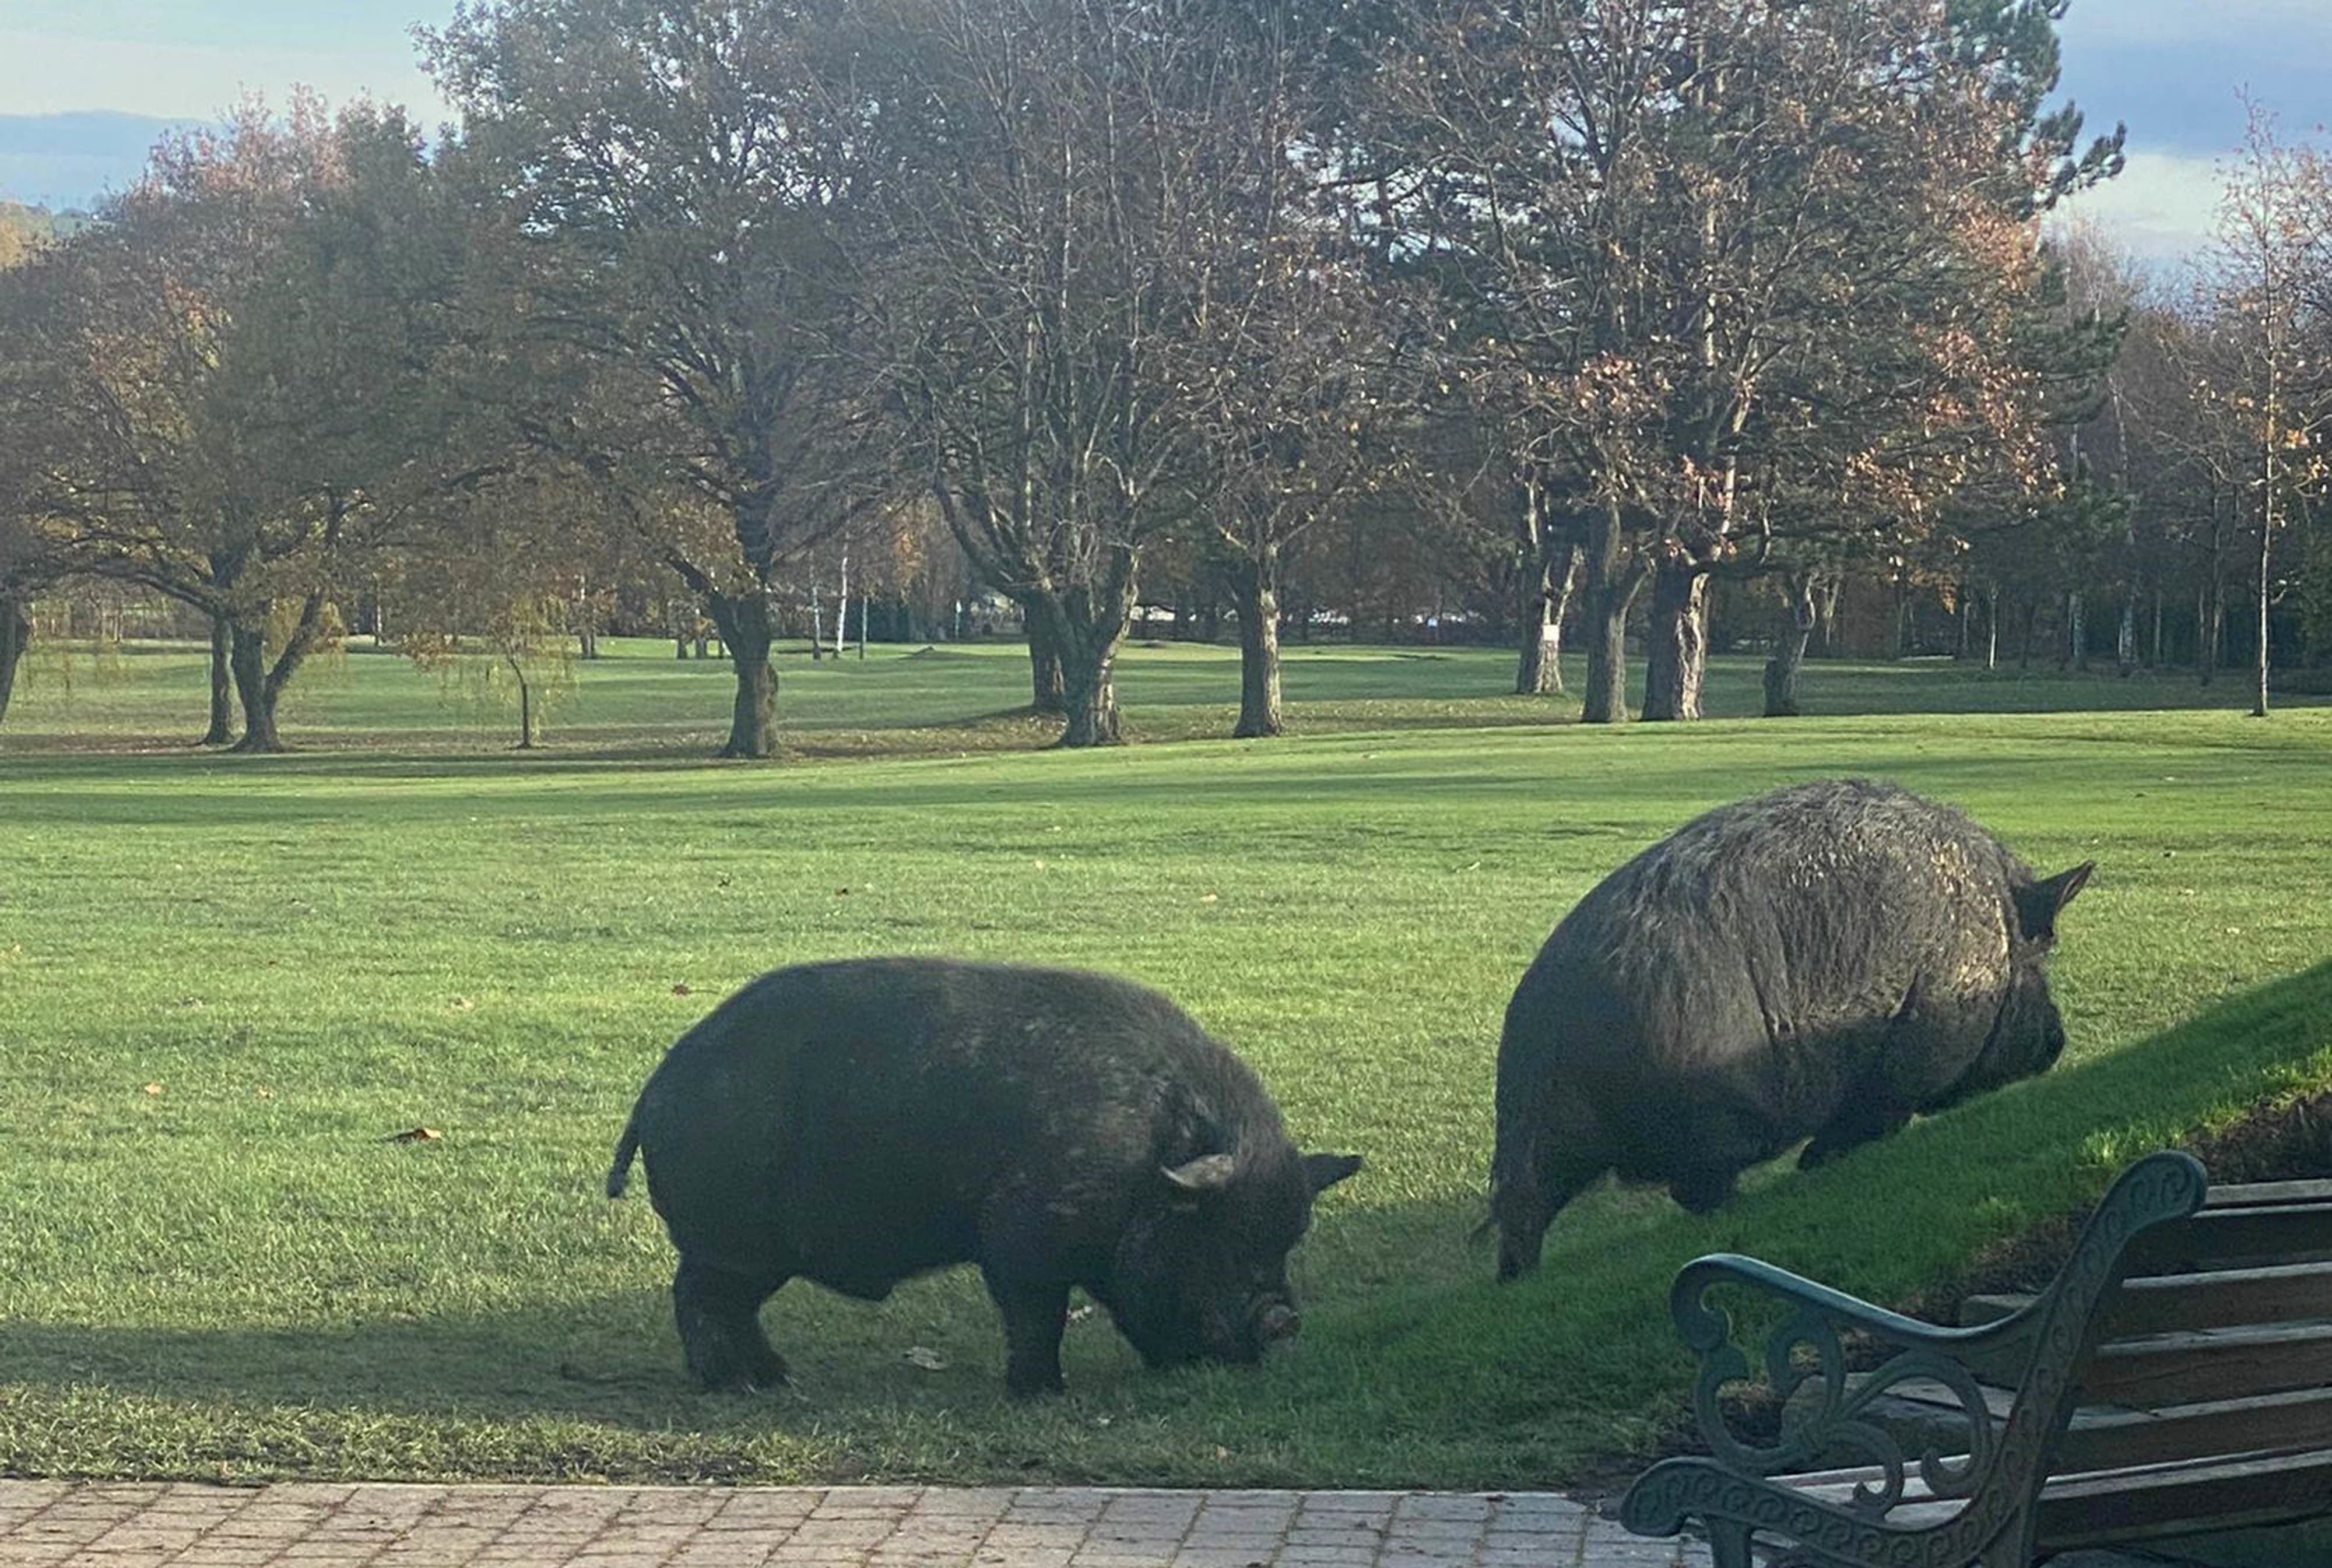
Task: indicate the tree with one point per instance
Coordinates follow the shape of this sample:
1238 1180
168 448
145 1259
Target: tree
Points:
129 321
1645 209
2269 285
26 566
32 554
233 366
1049 256
1286 373
491 601
675 174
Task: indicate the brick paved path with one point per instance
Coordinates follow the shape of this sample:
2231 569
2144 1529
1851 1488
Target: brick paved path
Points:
149 1525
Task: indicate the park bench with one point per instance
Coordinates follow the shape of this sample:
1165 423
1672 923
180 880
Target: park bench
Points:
2175 1378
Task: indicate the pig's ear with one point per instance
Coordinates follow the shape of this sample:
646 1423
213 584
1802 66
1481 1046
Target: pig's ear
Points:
1325 1171
1207 1174
2038 903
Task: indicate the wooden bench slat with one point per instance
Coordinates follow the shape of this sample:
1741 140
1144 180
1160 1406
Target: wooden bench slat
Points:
2272 1233
2221 1298
2111 1439
2255 1194
2183 1499
2129 1503
1991 1306
2183 1369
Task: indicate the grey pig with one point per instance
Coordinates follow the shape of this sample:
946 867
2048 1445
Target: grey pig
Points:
1821 961
860 1122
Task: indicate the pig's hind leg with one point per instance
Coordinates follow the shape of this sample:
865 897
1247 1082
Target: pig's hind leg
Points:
1543 1164
718 1310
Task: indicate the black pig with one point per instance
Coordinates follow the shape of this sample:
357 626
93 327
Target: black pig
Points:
860 1122
1824 961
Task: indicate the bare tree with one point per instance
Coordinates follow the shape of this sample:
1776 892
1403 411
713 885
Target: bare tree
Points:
2267 287
1050 257
675 174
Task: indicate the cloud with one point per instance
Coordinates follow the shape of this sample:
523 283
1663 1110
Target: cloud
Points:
2177 72
2163 208
2290 24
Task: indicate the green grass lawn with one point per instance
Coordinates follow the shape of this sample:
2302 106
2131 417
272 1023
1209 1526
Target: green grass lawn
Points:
226 982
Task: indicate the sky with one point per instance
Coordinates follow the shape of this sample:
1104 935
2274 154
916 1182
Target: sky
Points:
2171 68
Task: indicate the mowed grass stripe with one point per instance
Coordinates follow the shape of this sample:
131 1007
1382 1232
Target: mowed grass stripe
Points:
235 1274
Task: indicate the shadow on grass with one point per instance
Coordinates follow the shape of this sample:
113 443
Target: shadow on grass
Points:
1413 1368
1724 761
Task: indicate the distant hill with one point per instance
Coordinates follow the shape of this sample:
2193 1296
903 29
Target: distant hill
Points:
67 161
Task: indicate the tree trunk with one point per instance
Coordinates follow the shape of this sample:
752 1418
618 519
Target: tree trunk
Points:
2031 630
1991 629
1089 688
2266 599
747 628
1046 694
2126 637
2210 607
1538 673
1826 633
16 636
1802 612
2153 660
2210 633
1612 584
221 729
526 729
1256 582
1675 654
247 659
842 610
2077 629
259 683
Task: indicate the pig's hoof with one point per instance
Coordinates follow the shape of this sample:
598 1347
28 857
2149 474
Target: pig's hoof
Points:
745 1383
746 1374
1704 1191
1035 1387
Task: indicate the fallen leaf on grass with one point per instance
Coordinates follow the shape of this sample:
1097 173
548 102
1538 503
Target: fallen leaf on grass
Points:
461 1004
681 989
416 1135
153 1088
926 1358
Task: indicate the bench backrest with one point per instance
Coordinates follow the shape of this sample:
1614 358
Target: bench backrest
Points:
2218 1338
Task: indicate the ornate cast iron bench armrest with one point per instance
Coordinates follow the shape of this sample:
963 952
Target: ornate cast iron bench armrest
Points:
1811 1347
1993 1476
